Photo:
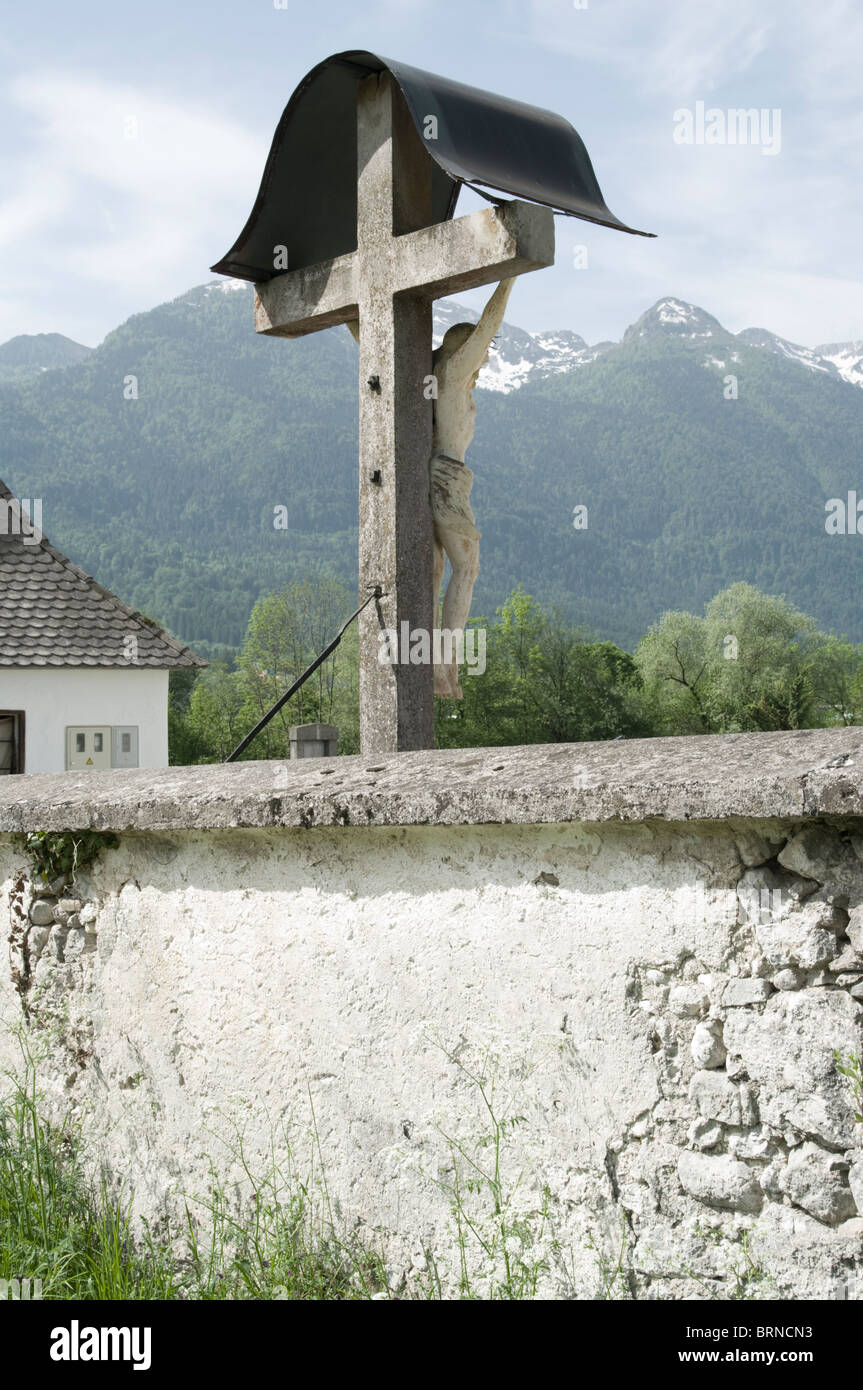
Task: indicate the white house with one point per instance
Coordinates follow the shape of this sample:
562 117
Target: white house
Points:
83 677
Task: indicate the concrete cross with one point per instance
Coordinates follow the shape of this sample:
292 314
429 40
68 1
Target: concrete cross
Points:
400 266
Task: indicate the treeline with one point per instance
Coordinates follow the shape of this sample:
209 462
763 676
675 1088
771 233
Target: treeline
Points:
752 662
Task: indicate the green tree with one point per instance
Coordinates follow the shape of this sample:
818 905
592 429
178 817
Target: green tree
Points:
216 718
544 682
838 680
762 654
673 661
754 662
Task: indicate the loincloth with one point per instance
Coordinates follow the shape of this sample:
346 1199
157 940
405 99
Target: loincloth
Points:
450 483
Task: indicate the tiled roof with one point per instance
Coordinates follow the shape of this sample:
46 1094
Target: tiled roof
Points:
53 614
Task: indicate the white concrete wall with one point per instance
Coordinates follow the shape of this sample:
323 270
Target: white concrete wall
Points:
53 697
671 1054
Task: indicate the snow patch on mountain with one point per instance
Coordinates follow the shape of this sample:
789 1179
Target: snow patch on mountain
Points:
675 317
805 357
226 286
517 356
847 358
671 316
672 311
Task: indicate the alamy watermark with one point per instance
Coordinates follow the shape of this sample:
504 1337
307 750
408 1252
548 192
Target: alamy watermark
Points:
419 647
738 125
77 1343
19 518
844 518
762 906
21 1290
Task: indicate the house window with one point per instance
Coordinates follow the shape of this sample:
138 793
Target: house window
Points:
11 742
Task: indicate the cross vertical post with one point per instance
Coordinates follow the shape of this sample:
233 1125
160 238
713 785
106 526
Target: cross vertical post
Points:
395 426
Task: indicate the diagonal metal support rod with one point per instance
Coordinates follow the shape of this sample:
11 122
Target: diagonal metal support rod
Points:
309 671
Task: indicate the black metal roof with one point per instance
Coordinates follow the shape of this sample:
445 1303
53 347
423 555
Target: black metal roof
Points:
308 195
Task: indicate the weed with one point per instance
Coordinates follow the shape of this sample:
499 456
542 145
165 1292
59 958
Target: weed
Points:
489 1220
54 853
852 1067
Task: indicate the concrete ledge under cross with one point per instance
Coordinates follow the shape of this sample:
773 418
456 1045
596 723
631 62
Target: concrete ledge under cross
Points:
711 777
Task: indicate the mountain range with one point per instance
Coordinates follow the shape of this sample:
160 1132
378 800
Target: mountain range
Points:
702 457
516 357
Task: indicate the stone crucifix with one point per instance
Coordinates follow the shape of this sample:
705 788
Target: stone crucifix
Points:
401 265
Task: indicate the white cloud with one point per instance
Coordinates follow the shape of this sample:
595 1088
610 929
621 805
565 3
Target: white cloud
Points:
675 47
119 189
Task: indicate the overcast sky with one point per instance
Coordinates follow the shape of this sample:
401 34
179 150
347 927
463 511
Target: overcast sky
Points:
95 225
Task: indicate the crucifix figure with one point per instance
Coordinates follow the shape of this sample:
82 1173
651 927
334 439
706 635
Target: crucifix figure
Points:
457 364
403 262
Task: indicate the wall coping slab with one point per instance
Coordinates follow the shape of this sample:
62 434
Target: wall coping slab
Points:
795 774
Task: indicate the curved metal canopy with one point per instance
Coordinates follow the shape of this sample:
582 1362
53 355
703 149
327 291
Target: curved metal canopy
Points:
308 195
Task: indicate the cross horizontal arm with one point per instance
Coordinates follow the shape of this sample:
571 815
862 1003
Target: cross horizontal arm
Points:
304 301
493 244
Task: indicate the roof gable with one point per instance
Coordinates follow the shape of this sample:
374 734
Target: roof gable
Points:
53 614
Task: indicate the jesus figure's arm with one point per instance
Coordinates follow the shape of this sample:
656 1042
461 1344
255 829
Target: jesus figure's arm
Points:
470 357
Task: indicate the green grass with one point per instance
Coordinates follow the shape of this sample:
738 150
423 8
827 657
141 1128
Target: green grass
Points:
60 1227
65 1225
55 1228
503 1248
75 1232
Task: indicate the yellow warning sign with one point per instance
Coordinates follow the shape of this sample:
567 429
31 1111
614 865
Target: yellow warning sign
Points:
89 762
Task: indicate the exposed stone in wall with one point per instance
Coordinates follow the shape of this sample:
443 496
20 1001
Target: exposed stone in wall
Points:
52 947
753 1117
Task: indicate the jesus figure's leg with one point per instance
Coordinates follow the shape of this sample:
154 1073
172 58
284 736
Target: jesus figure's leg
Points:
463 552
441 673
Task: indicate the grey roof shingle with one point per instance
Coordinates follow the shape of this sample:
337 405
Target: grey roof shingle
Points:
53 614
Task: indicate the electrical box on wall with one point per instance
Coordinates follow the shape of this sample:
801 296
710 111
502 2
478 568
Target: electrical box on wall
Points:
124 746
88 746
101 746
